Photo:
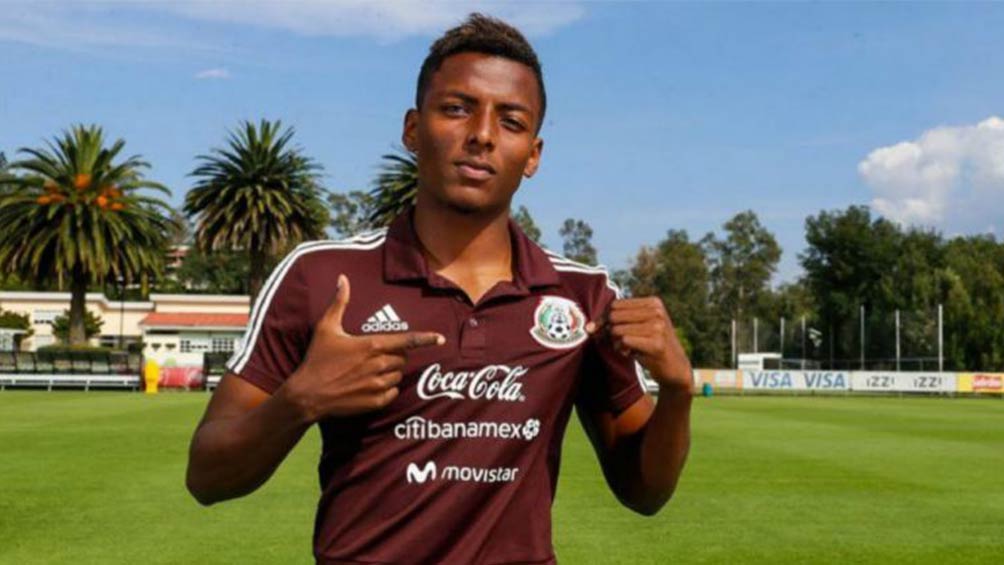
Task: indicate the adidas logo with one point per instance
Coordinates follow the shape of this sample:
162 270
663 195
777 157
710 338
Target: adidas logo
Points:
385 320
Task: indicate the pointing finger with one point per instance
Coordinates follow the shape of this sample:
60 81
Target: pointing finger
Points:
389 343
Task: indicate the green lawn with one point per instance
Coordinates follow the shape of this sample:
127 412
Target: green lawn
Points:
98 478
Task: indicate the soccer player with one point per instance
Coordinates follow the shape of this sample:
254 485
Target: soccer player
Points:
441 357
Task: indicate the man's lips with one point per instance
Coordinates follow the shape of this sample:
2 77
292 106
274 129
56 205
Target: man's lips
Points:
474 170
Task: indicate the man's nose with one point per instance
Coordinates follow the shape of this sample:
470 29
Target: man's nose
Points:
482 130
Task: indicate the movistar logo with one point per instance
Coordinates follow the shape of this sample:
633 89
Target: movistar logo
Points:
416 475
430 472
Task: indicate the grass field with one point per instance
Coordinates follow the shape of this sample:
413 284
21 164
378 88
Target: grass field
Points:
98 478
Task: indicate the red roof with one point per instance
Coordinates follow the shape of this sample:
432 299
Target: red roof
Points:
195 320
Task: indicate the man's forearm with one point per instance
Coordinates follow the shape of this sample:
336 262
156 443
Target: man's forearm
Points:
661 451
231 457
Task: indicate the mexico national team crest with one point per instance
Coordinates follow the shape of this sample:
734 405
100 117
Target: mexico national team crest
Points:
558 323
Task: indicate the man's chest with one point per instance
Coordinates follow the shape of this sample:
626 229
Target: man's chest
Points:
516 355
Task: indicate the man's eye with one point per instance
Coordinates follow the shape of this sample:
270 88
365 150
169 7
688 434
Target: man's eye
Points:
513 124
453 109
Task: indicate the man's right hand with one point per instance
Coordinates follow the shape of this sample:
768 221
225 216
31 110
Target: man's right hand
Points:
344 374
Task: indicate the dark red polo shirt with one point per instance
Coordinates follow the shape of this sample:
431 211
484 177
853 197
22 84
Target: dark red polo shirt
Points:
462 466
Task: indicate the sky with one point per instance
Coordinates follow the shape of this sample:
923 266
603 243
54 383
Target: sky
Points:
660 115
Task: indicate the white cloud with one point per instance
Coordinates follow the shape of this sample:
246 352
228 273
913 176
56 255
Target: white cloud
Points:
386 20
85 26
220 74
949 177
78 25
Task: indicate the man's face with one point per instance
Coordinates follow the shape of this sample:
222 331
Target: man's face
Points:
475 133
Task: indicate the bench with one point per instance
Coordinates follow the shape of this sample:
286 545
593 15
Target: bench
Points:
85 381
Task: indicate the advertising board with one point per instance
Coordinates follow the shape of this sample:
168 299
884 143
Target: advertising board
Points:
983 383
890 381
727 379
796 380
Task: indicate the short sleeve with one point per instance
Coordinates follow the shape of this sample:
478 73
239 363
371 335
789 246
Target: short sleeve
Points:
278 331
610 381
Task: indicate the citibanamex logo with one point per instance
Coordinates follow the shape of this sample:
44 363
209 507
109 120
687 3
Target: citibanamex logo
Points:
531 428
419 428
495 382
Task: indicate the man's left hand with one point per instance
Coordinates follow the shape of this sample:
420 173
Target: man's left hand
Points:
641 327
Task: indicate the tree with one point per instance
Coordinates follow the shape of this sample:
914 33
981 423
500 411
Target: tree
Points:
259 195
847 265
15 321
395 188
791 301
641 277
525 221
220 272
676 271
61 325
181 229
855 259
350 212
577 242
6 179
914 282
740 267
974 303
77 214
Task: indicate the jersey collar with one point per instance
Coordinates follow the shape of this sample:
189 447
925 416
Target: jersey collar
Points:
403 259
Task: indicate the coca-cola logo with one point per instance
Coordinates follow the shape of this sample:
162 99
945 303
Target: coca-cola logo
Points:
493 382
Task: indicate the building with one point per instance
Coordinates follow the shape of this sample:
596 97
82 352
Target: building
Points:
182 327
172 329
8 337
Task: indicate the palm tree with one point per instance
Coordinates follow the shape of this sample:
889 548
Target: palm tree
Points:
5 178
395 187
77 215
259 195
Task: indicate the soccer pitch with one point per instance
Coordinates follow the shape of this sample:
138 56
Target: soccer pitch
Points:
99 478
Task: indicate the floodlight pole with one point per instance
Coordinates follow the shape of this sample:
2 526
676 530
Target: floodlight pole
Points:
735 362
831 346
941 338
756 345
897 340
862 337
121 312
782 337
803 343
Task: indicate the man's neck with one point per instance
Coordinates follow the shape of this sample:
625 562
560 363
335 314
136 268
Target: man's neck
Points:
472 250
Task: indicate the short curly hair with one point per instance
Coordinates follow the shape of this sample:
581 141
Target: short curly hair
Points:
481 34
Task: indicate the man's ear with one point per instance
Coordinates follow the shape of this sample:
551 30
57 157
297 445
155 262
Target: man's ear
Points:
409 132
531 165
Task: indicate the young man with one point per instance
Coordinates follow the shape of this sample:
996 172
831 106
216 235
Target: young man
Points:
441 357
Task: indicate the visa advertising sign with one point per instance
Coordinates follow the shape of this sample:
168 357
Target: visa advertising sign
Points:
797 380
